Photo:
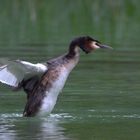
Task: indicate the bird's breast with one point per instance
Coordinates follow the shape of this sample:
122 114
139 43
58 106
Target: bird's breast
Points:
51 94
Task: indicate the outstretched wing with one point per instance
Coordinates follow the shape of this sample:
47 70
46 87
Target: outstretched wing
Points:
12 73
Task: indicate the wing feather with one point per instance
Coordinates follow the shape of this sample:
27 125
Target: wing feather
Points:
13 72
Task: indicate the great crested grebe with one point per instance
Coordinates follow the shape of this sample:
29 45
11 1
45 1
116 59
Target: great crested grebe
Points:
43 81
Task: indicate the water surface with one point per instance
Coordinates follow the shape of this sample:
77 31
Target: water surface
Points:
101 99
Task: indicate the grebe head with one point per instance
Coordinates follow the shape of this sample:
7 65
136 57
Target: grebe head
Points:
88 44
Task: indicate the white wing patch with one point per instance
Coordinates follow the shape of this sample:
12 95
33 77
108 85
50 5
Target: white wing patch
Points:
8 78
35 67
15 71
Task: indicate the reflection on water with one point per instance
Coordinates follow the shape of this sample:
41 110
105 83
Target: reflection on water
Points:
14 126
6 126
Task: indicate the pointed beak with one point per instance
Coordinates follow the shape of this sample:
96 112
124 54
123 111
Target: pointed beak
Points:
104 46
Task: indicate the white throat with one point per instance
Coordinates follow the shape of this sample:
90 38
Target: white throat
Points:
77 51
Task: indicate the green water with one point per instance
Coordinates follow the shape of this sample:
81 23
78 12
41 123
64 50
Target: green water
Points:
99 101
101 98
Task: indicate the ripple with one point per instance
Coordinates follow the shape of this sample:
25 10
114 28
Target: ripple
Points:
62 115
66 117
135 116
94 110
111 114
10 115
59 117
